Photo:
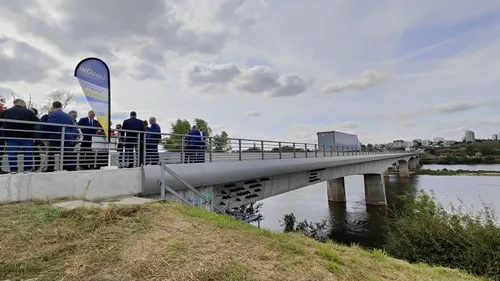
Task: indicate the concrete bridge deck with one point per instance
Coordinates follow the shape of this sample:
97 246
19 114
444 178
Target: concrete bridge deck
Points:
227 184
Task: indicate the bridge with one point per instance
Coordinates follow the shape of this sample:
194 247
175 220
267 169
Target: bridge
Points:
245 172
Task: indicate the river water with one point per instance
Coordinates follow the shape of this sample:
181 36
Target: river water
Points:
354 222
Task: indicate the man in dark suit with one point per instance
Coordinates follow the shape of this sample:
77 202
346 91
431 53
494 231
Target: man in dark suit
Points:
19 135
88 133
193 144
131 128
57 116
202 147
153 140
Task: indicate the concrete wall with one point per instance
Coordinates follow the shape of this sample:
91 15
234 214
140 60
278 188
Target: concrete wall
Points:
91 185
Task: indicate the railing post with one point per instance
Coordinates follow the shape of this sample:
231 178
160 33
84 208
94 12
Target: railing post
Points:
331 150
61 150
315 150
239 149
324 151
182 149
294 156
337 149
210 149
305 147
138 149
162 182
144 151
279 146
343 151
262 149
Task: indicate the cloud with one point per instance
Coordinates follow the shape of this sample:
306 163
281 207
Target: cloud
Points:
254 113
21 61
406 64
453 107
120 115
151 28
366 79
253 80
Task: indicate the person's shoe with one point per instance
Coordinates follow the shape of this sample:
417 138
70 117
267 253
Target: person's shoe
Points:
3 172
49 171
13 172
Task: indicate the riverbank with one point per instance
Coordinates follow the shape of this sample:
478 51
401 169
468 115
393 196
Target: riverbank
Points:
453 160
459 172
176 242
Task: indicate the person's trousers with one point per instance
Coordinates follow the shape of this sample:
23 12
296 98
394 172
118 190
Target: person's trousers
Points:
26 146
68 157
87 156
152 155
2 149
129 153
200 155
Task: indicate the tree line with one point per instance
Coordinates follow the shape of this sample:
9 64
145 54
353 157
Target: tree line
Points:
64 96
219 142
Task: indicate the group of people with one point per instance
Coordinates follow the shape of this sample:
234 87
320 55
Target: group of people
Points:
45 138
195 146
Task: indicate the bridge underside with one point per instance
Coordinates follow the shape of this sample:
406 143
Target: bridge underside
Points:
234 194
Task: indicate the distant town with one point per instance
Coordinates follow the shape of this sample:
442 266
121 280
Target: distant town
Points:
421 144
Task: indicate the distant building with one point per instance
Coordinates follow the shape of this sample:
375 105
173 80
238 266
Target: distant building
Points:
398 143
337 141
438 139
426 142
495 137
470 136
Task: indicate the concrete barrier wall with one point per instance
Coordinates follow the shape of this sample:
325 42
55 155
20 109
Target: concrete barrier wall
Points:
91 185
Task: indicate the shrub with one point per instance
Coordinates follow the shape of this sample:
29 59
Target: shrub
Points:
315 230
425 232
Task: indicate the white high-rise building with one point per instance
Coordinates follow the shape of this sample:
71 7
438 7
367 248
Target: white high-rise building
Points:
495 137
470 136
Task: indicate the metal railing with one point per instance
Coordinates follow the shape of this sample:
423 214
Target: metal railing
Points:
37 146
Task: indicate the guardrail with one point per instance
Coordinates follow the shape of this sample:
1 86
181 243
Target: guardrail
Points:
50 147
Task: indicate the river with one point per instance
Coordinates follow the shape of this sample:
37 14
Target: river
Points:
354 222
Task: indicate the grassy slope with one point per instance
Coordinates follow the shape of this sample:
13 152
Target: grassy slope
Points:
174 242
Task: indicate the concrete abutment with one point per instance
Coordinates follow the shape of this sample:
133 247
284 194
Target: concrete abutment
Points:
404 170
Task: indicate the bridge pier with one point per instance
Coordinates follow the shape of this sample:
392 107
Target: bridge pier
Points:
404 171
386 173
412 164
375 189
336 190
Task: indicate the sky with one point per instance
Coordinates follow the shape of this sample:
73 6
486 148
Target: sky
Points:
270 69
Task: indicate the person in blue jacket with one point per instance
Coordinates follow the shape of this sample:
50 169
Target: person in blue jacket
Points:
57 116
88 133
153 140
133 129
194 139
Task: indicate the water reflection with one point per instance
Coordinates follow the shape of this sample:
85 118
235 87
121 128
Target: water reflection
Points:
354 222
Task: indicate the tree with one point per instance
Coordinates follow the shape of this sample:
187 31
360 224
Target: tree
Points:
64 96
177 129
221 142
181 127
200 123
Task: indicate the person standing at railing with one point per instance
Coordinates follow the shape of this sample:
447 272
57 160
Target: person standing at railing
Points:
145 140
193 144
119 146
73 143
132 139
153 140
37 143
19 136
2 143
88 133
202 148
58 116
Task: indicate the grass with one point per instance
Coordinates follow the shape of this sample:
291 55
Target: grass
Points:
164 241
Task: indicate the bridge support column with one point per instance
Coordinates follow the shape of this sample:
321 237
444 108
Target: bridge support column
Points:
404 171
336 190
375 189
412 164
386 173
